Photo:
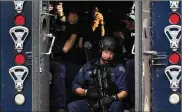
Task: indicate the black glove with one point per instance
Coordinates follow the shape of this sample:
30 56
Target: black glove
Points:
109 99
92 94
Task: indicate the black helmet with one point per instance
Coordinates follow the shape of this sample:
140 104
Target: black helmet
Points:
108 43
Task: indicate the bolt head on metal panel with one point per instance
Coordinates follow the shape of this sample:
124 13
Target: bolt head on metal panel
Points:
19 99
174 98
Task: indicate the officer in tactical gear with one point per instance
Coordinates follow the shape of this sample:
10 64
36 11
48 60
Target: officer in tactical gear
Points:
108 90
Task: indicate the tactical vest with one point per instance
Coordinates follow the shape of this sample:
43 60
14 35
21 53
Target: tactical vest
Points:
107 79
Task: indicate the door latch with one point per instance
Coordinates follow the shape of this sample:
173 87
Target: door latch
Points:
159 59
153 53
29 57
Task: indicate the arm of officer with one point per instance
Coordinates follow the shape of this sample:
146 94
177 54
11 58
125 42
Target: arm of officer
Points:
122 95
80 42
78 83
121 83
80 91
69 43
60 12
98 20
102 30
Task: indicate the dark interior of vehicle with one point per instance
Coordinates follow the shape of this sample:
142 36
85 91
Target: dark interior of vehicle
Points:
116 18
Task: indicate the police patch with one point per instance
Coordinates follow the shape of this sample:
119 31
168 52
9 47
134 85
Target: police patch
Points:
81 69
121 69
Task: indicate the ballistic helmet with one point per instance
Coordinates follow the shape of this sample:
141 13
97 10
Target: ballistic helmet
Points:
108 43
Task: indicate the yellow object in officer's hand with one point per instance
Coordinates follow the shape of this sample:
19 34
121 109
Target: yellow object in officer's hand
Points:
98 18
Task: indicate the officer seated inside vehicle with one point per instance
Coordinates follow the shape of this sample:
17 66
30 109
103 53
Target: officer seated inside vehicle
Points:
100 83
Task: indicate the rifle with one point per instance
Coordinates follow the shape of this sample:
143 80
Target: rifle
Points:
101 85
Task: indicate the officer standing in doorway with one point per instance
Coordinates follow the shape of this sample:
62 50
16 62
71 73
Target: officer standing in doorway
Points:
66 60
93 31
110 88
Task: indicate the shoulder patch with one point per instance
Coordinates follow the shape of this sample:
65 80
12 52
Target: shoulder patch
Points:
81 69
122 69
